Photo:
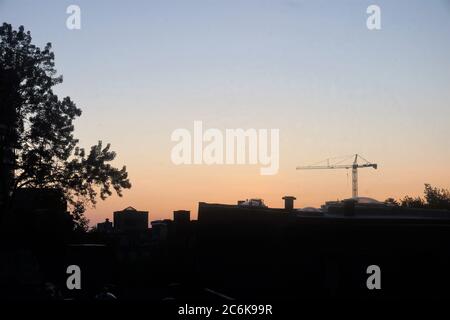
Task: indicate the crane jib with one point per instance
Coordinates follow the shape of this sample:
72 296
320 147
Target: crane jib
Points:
354 166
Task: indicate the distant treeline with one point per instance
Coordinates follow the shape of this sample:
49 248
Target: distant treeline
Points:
434 198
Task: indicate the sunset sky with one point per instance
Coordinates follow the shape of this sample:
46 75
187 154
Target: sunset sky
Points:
141 69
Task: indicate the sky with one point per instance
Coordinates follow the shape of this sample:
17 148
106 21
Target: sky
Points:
312 69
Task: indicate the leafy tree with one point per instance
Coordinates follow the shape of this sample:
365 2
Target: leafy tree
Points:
437 198
392 201
410 202
37 144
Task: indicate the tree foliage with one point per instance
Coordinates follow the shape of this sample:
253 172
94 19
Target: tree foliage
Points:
391 201
437 198
434 198
46 153
413 202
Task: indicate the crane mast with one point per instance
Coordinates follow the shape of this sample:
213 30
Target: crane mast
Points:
354 166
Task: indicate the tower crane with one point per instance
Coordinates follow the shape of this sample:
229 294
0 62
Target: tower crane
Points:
338 165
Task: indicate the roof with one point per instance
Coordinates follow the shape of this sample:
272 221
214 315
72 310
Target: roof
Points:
366 200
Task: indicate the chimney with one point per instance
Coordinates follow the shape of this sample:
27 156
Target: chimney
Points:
289 202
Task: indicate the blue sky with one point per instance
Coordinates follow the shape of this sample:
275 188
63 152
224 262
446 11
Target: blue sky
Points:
140 69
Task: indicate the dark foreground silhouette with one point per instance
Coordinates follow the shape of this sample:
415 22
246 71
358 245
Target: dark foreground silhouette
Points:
235 252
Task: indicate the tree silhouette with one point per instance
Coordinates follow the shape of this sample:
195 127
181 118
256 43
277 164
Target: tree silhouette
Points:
413 202
391 201
37 144
435 198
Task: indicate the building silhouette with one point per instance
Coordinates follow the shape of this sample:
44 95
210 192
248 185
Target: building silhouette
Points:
106 227
245 211
130 219
181 216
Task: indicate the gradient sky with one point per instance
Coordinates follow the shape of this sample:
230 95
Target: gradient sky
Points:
141 69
